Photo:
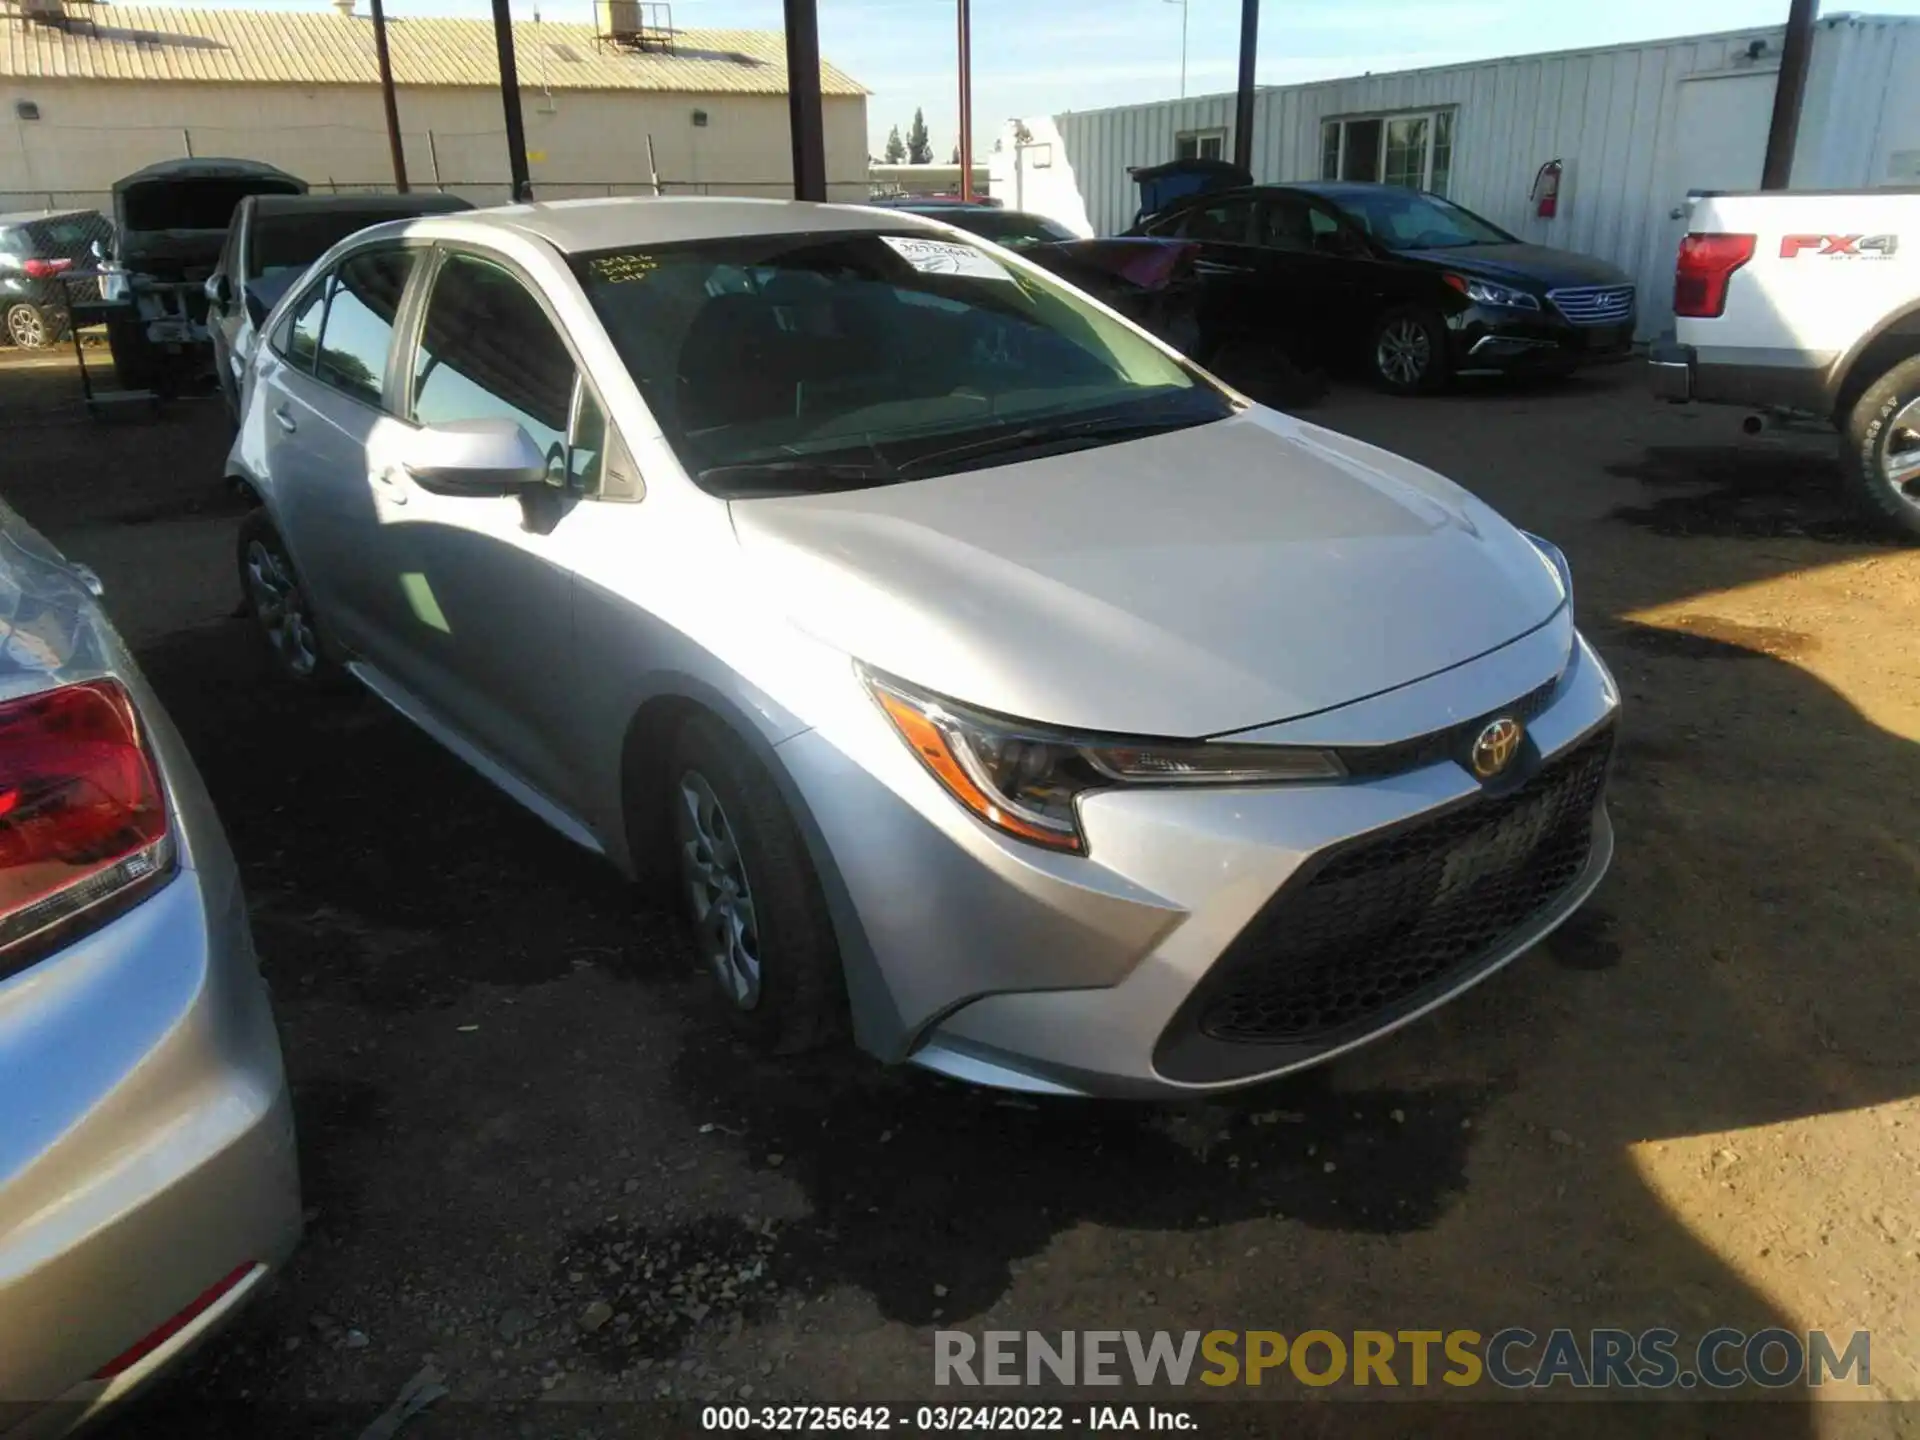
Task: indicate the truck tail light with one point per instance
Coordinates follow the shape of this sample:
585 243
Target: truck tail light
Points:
83 816
1701 273
45 269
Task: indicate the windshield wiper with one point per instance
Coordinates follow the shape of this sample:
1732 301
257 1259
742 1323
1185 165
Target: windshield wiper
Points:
758 479
1029 436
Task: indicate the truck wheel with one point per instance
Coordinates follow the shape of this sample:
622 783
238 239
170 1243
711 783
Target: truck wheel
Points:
136 364
1883 447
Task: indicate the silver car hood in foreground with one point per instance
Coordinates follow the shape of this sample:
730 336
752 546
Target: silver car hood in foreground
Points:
1194 583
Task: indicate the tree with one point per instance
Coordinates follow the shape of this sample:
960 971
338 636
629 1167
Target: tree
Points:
956 156
919 147
895 153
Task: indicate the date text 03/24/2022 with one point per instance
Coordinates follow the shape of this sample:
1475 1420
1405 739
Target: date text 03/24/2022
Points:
947 1419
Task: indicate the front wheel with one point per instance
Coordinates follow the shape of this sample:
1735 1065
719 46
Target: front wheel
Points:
759 918
1883 447
1408 352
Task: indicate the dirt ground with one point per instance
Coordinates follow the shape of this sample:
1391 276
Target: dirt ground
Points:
1694 1107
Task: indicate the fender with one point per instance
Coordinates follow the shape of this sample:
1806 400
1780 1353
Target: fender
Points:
866 990
1839 383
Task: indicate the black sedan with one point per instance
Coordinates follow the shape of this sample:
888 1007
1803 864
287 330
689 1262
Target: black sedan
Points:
1409 285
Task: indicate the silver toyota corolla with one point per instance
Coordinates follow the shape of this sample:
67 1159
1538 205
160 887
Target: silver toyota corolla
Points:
993 682
148 1183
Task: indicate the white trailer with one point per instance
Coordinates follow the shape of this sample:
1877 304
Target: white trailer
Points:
1635 128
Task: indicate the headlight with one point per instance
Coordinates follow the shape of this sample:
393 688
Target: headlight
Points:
1025 779
1485 292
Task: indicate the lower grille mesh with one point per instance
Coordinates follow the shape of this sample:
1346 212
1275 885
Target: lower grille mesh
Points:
1386 919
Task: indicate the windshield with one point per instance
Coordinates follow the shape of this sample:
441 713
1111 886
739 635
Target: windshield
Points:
781 363
1409 220
279 243
1011 228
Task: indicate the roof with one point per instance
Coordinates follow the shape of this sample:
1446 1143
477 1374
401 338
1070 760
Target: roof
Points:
416 202
574 226
29 217
193 167
323 47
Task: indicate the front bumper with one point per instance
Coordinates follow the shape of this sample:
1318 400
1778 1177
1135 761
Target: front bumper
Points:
148 1149
1003 965
1485 337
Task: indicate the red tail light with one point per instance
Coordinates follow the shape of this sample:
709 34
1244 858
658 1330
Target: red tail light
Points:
46 269
83 817
202 1303
1700 275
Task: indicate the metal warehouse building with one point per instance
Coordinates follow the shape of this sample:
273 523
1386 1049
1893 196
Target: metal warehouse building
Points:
1635 127
90 93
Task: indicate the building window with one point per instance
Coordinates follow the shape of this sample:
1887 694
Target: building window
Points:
1414 150
1200 145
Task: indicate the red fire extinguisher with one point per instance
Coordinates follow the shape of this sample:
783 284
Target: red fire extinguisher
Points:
1546 190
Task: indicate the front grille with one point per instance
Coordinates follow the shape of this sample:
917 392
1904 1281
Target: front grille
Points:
1453 743
1387 919
1595 304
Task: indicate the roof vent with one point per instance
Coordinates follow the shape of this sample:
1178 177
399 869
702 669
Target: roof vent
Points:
43 12
345 7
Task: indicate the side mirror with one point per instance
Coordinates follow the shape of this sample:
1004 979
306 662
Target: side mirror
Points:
219 290
475 458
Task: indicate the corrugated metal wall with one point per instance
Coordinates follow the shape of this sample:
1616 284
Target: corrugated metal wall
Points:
1608 113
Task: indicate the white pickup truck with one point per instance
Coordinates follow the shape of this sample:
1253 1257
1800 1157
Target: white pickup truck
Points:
1810 301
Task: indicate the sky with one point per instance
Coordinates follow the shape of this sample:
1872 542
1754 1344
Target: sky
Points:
1039 57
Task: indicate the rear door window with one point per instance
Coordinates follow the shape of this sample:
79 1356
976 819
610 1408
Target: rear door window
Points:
1229 221
363 298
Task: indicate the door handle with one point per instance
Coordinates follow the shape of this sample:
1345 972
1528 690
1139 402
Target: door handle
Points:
284 418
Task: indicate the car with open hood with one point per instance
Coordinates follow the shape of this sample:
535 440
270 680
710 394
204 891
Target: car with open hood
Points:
169 226
989 681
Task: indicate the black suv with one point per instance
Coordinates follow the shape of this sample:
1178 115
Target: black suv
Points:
1411 286
36 250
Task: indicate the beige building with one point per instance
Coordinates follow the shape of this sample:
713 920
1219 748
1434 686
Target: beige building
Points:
89 93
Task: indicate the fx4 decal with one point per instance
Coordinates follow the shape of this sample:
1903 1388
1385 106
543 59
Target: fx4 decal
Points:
1852 247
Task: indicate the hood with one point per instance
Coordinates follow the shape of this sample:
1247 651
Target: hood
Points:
1539 265
1215 579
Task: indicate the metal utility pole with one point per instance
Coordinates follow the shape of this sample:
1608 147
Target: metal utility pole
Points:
803 100
1243 101
386 95
966 101
1788 91
1183 45
510 101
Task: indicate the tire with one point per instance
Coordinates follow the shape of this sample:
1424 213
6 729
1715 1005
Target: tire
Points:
774 962
1407 352
136 364
1883 448
278 604
32 327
